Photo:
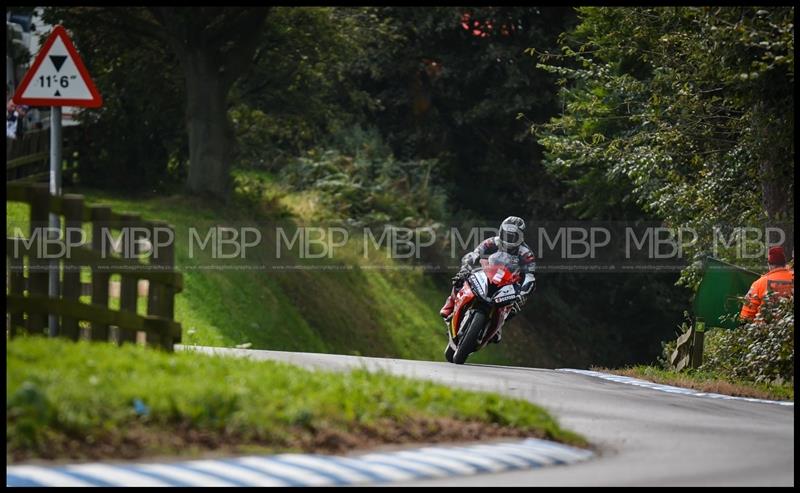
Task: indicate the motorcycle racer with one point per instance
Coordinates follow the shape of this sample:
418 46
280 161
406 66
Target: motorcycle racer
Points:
509 240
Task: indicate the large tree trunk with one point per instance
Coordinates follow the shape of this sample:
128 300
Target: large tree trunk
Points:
210 133
214 45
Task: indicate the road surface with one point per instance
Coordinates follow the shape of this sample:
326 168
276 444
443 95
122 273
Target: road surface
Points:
642 436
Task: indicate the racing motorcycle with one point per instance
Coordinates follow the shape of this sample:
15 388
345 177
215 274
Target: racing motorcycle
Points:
482 305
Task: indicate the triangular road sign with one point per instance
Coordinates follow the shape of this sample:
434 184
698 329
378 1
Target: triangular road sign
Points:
58 76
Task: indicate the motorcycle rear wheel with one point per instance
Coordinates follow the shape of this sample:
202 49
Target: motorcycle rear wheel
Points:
469 341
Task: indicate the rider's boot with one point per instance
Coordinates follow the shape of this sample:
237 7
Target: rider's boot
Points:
497 337
447 310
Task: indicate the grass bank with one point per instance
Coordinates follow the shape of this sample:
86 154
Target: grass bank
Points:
345 305
706 382
91 400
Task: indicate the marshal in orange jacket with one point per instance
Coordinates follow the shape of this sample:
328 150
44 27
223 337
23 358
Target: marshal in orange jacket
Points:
779 280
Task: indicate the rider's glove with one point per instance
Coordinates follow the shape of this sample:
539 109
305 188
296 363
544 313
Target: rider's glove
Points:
528 284
461 275
519 303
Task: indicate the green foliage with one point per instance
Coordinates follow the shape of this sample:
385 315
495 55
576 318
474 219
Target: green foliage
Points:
253 193
364 182
444 93
298 92
761 350
93 390
686 112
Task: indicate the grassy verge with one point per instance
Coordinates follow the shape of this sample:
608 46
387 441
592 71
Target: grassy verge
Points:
706 382
90 400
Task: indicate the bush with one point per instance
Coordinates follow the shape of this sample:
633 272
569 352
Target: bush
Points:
761 350
252 193
361 180
265 141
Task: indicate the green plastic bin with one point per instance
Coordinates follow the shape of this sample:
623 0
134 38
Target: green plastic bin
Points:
719 292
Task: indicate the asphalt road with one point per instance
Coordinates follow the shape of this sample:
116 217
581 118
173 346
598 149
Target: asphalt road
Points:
642 436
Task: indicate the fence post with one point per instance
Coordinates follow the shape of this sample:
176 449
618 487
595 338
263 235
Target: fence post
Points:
160 300
129 287
72 208
101 215
170 292
697 343
38 275
16 285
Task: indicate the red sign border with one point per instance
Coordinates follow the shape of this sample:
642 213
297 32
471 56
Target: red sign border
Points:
96 100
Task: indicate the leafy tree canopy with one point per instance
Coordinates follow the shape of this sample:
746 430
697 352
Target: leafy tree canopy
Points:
687 112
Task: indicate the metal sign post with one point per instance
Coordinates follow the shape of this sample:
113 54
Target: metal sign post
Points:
53 291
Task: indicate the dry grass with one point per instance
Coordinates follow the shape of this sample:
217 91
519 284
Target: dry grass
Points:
701 383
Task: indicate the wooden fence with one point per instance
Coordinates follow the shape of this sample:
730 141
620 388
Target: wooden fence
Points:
28 305
28 158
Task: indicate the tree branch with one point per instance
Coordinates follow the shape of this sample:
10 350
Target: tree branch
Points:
130 20
174 29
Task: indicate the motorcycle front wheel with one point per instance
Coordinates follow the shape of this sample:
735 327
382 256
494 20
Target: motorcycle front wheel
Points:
469 341
448 353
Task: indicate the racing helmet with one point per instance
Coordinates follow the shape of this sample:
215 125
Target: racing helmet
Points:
510 237
516 221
